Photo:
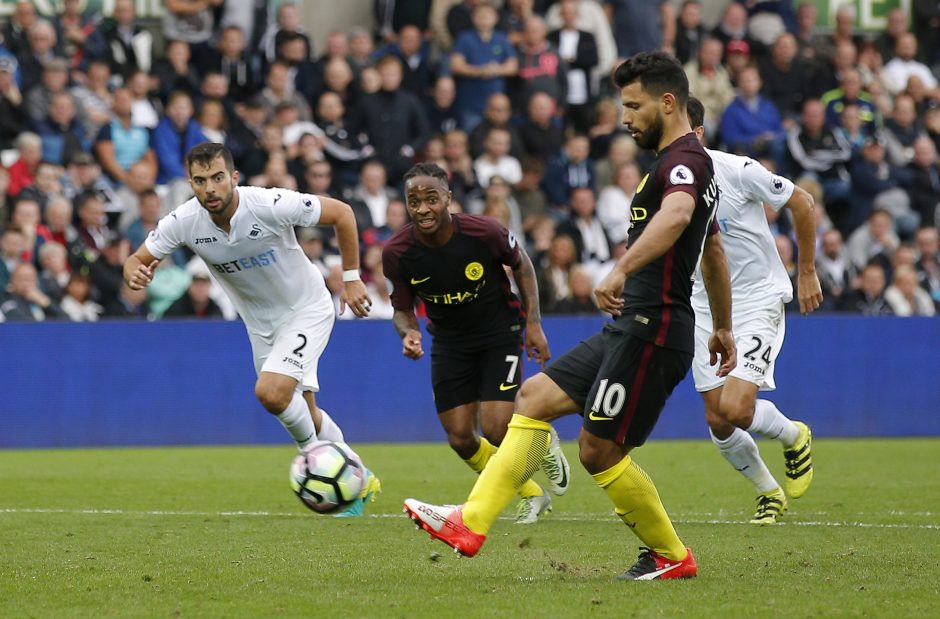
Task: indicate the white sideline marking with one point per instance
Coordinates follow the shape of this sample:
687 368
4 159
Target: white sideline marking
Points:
571 517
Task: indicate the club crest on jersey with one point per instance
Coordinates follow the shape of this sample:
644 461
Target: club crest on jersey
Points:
255 231
642 184
512 240
776 185
474 271
681 175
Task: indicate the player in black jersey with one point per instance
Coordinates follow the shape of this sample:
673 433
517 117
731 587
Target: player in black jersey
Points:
620 378
456 265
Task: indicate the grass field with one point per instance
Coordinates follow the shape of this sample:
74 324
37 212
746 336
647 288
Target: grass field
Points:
216 532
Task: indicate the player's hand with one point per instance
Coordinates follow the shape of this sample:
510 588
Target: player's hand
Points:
809 292
411 345
607 293
355 296
536 344
142 277
721 344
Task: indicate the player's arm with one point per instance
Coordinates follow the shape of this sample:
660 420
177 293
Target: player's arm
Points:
661 233
406 324
717 282
809 292
340 216
139 268
535 341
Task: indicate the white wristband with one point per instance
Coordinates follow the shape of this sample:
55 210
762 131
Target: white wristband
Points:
352 275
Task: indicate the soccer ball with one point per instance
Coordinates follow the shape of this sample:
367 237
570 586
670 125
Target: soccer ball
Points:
327 477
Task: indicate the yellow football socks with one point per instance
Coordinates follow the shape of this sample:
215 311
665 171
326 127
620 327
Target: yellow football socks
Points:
637 503
517 459
478 462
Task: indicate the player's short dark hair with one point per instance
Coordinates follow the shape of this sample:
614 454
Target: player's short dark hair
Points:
657 72
427 169
206 152
696 111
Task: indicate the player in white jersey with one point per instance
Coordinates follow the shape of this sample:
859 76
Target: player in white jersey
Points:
246 236
759 288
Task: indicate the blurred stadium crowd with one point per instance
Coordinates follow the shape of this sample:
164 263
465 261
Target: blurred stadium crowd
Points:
512 99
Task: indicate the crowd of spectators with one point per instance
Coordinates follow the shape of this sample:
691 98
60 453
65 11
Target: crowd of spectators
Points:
512 99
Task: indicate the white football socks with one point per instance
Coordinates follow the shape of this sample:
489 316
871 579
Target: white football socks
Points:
770 423
329 431
740 450
296 418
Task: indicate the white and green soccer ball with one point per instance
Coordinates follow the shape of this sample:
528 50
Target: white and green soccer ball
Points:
327 477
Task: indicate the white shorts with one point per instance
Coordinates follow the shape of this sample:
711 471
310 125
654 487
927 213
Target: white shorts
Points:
294 349
758 336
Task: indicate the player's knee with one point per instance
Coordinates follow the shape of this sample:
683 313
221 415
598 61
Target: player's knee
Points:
464 445
719 427
739 414
593 454
527 394
274 400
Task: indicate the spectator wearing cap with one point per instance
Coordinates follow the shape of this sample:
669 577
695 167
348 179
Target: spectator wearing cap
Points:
737 58
13 117
481 60
120 143
126 46
41 49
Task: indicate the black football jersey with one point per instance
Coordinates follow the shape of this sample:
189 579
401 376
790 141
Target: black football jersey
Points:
463 283
656 298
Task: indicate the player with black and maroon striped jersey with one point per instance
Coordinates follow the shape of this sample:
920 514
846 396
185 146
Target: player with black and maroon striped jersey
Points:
456 264
620 378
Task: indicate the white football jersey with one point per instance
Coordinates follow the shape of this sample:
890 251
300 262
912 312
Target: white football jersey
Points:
758 277
259 263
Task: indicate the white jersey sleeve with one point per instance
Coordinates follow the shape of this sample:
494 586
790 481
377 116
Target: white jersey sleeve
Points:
166 237
290 208
761 183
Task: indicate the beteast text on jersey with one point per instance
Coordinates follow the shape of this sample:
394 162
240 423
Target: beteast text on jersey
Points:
243 264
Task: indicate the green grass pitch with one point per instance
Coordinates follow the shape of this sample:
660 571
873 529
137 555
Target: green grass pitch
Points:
216 532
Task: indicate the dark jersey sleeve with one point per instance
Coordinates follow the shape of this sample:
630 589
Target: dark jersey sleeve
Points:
402 294
684 171
502 242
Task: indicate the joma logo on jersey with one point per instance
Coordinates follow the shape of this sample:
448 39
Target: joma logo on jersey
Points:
453 298
243 264
205 239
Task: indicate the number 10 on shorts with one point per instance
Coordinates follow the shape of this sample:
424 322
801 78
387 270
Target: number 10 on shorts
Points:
609 399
